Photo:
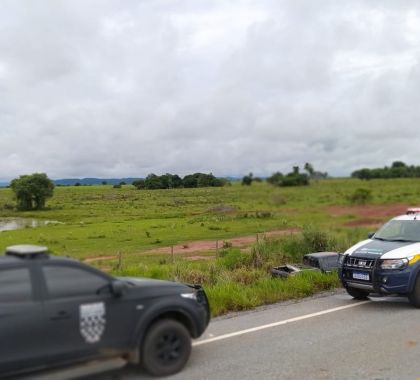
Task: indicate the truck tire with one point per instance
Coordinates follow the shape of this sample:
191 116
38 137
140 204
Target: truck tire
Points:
414 296
358 294
166 348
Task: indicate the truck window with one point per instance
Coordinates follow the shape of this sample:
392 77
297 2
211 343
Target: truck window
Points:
66 281
15 285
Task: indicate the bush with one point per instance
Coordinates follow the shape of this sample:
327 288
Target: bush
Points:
190 275
246 276
315 240
247 180
308 241
361 196
139 184
275 179
233 258
261 253
294 178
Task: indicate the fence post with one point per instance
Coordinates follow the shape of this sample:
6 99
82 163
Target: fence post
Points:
217 249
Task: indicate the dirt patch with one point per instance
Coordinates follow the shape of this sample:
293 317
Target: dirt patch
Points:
210 245
379 212
222 209
99 258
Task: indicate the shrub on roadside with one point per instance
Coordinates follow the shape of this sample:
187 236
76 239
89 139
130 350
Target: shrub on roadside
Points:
246 276
361 196
233 258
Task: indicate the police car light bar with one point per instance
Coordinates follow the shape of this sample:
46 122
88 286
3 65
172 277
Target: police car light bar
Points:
413 210
26 251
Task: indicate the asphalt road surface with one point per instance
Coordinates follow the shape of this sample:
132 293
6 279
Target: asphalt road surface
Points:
325 337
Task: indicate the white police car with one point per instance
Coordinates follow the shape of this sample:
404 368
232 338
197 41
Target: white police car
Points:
388 262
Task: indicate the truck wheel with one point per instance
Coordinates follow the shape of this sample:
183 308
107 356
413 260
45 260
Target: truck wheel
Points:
166 348
414 296
358 294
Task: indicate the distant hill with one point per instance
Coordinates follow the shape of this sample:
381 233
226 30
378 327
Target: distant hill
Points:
92 181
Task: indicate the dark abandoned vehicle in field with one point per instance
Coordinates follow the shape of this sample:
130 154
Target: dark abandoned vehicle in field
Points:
56 312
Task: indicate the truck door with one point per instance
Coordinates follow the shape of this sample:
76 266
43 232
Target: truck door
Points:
85 321
22 324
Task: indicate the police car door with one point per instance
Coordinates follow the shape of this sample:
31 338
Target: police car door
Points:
84 320
22 324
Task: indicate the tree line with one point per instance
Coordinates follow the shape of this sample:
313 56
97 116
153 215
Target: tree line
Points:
174 181
294 178
32 191
398 169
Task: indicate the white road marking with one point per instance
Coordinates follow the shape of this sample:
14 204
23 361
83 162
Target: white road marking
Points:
279 323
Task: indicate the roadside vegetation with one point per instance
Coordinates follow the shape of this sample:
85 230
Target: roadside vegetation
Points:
239 280
129 232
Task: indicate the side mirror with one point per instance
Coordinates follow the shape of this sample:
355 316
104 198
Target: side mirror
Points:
370 235
117 288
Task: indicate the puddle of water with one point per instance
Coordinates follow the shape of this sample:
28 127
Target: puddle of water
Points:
10 224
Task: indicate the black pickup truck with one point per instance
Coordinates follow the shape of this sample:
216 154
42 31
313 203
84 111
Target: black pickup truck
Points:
56 312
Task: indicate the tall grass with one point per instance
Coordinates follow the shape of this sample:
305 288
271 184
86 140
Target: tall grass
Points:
239 280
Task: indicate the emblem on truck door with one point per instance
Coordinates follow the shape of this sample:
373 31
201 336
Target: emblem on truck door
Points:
92 321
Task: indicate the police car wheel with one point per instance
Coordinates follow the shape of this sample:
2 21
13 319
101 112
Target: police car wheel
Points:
166 348
357 294
414 296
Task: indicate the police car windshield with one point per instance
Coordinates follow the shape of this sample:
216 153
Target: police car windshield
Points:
399 230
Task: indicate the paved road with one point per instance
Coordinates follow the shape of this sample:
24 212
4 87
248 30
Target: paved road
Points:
329 337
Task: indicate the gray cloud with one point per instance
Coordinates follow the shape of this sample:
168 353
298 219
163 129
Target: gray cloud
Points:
104 88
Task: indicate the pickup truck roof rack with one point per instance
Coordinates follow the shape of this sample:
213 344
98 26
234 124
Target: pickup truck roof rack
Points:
27 251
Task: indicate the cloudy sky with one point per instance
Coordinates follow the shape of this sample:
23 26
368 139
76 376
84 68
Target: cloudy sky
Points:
125 88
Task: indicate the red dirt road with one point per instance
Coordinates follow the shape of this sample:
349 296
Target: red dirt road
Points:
208 245
204 245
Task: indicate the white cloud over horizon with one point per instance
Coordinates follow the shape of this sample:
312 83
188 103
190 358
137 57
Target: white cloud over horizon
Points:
115 89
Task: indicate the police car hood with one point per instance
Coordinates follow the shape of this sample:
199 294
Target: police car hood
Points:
373 248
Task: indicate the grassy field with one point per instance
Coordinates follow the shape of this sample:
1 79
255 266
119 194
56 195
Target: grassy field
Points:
100 221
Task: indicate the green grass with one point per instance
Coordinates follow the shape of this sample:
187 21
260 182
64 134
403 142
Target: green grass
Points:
234 296
234 280
103 221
